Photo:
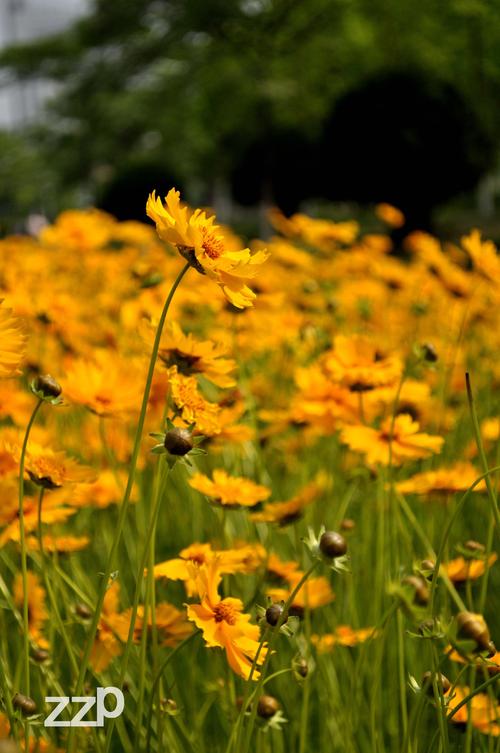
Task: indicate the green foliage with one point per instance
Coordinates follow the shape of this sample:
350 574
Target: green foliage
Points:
188 83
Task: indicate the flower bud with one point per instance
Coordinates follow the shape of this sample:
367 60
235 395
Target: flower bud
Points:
178 441
332 544
40 655
442 681
273 614
83 611
301 667
267 706
429 352
47 385
347 524
474 546
26 705
419 586
473 627
428 566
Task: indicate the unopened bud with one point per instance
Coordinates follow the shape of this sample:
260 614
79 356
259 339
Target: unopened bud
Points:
178 441
442 681
473 627
24 703
267 706
47 385
419 586
333 544
273 614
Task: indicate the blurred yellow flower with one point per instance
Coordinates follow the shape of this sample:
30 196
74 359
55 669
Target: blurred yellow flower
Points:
230 491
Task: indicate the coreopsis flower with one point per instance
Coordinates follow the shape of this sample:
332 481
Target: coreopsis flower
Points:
343 635
315 593
54 510
192 356
37 612
325 235
355 363
223 622
190 404
277 569
484 712
243 559
171 624
405 439
79 231
461 569
106 645
390 215
456 478
12 342
229 491
202 243
59 544
107 385
105 490
484 256
321 403
51 468
287 512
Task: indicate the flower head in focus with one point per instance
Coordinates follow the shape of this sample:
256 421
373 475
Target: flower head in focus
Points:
200 241
223 622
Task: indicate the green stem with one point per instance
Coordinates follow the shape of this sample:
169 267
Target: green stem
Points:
135 603
48 587
24 563
447 532
126 497
272 642
482 454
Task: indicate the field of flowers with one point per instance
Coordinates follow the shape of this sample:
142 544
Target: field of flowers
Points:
253 488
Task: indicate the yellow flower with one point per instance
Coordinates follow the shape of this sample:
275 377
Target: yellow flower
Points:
291 510
407 441
484 256
171 624
315 592
107 385
484 711
37 611
53 511
201 242
390 215
12 343
230 491
223 622
461 569
355 362
191 405
456 478
192 356
242 559
343 635
51 468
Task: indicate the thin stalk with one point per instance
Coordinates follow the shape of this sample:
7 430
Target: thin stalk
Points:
24 563
135 603
126 497
272 642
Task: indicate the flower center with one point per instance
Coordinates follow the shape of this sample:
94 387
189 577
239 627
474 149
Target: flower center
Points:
225 612
212 245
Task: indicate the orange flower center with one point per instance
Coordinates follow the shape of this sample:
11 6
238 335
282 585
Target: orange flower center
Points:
225 613
212 245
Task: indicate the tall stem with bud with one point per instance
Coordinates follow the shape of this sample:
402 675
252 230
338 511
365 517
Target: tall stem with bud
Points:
126 497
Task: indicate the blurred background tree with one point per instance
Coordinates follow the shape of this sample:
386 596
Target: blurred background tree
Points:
234 100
